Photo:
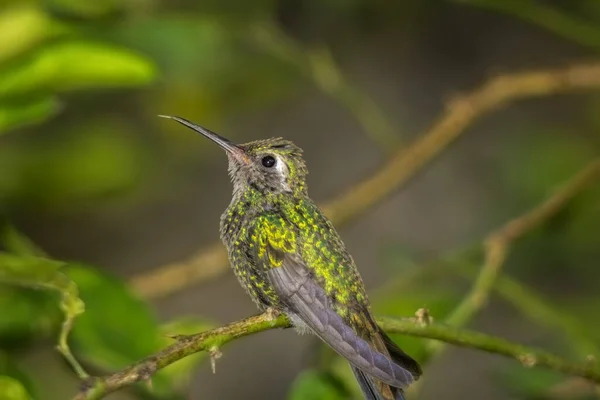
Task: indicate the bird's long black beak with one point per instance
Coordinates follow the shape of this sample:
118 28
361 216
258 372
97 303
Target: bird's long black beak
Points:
224 143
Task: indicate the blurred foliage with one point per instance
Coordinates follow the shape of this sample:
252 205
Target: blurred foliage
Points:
116 330
120 329
79 82
12 389
101 163
317 385
15 381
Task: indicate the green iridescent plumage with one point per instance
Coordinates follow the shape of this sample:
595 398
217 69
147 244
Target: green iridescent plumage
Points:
289 258
303 230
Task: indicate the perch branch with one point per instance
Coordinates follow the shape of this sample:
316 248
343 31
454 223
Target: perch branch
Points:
461 112
96 388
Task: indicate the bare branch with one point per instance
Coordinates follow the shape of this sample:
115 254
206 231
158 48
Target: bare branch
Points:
402 166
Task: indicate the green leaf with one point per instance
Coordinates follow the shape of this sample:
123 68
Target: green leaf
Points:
75 65
317 385
12 389
14 114
24 26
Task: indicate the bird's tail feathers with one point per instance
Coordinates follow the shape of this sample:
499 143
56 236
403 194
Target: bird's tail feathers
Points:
374 389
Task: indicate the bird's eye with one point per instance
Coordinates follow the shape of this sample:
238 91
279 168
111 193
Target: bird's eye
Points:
268 161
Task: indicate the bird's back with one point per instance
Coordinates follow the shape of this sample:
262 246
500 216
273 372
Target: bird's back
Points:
254 216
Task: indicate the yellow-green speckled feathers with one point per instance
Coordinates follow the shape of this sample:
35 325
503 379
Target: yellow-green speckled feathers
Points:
291 226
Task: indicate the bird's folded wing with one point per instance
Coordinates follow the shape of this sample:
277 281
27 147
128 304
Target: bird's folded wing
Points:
300 292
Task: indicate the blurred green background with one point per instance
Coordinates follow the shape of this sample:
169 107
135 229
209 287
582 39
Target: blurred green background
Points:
93 177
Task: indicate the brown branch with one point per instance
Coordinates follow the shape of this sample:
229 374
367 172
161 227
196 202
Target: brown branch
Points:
96 388
403 165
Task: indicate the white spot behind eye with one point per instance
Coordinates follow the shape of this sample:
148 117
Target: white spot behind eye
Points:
283 172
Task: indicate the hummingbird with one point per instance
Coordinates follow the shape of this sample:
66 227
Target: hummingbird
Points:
290 259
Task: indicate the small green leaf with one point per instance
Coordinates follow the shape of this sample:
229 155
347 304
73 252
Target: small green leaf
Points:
14 114
317 385
12 389
75 65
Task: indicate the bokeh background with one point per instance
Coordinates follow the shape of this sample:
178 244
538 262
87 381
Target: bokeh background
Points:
93 177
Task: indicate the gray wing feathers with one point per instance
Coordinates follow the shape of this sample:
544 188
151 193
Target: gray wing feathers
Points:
298 291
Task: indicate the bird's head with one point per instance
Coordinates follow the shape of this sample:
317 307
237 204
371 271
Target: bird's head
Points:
269 166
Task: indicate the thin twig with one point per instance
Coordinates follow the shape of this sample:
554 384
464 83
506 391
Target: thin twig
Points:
38 272
461 112
498 242
96 388
27 265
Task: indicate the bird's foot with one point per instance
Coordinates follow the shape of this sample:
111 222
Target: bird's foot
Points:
423 317
272 314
